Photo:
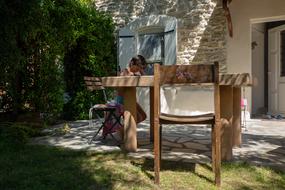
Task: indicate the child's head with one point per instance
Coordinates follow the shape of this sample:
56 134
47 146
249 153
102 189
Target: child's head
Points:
142 61
137 64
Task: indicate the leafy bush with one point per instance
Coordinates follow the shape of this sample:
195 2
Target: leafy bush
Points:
47 48
78 107
91 55
17 133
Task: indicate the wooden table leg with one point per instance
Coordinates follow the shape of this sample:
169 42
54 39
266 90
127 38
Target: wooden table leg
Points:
236 126
226 93
151 120
130 117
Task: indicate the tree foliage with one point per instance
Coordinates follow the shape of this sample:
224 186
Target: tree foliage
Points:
47 46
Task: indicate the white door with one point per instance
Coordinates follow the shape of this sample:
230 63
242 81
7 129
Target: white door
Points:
276 70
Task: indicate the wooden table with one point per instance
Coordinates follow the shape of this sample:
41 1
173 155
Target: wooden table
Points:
230 92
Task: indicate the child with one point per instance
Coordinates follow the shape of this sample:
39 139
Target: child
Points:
135 67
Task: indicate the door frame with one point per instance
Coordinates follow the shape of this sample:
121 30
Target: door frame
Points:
266 79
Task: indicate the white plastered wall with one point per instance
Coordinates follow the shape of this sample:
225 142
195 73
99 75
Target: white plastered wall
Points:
244 13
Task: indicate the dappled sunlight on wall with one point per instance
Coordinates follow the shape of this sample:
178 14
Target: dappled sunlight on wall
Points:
200 37
212 46
201 25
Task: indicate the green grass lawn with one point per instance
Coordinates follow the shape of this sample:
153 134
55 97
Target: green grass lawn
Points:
41 167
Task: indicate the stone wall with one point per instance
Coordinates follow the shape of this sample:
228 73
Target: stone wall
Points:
201 30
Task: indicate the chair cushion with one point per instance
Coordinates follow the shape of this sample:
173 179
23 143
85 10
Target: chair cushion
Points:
208 118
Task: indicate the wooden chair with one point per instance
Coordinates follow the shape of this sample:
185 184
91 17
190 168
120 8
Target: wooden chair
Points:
112 113
187 75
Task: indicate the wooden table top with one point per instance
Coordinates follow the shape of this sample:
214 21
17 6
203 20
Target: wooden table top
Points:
242 79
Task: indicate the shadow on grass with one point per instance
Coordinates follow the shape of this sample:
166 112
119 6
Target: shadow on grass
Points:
147 166
41 167
235 175
34 167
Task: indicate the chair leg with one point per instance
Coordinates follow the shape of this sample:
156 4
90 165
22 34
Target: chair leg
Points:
160 142
213 147
95 135
90 117
156 152
101 127
117 121
217 137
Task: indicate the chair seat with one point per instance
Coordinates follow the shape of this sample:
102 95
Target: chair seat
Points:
103 107
183 119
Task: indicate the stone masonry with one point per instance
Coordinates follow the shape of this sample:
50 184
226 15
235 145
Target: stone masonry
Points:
201 28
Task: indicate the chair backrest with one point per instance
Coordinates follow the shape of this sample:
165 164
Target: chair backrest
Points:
185 74
95 83
202 74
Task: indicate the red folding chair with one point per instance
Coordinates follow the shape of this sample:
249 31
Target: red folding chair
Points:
112 112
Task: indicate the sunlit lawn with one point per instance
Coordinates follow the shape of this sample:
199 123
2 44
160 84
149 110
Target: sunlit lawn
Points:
41 167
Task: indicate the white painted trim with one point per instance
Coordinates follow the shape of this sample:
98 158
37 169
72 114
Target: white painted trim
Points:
267 19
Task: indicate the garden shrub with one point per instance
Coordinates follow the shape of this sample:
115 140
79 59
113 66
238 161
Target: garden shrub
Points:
93 54
18 133
47 47
13 134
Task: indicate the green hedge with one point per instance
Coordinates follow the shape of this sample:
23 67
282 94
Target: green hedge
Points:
47 46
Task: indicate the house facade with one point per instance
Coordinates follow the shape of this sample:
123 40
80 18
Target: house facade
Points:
252 21
195 31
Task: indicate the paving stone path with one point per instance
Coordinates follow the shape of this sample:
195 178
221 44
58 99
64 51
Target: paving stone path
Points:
263 143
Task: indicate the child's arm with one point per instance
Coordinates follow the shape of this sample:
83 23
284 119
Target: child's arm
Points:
126 72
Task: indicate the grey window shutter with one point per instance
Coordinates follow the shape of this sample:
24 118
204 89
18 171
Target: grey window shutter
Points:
170 41
170 47
126 47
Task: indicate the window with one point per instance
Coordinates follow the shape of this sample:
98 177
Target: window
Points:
152 47
154 37
150 43
282 54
